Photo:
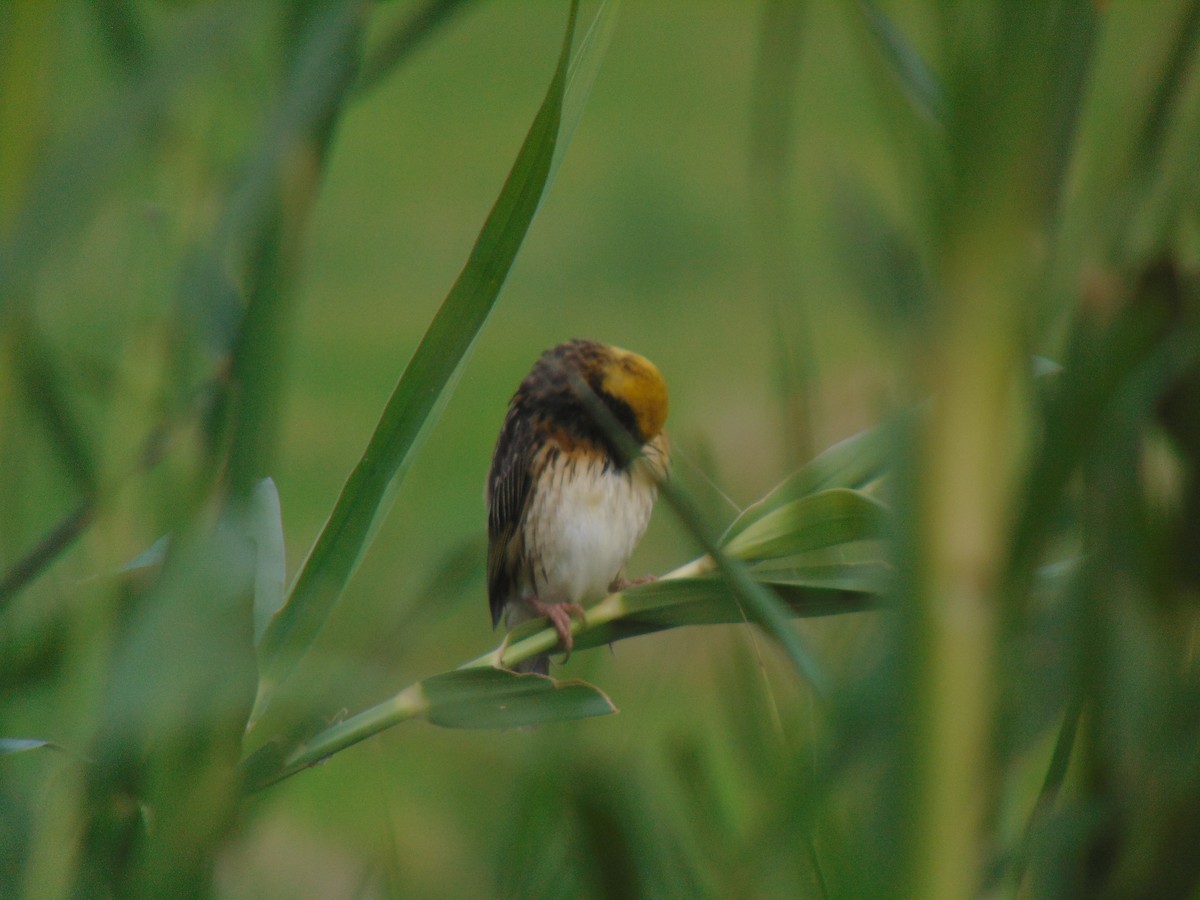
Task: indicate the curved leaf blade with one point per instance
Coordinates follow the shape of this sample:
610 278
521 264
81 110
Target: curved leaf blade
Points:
825 519
711 601
852 463
419 396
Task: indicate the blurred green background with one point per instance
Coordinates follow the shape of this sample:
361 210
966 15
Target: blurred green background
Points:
786 207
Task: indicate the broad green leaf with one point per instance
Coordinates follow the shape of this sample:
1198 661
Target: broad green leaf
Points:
497 698
263 526
178 690
1044 367
419 396
831 517
852 463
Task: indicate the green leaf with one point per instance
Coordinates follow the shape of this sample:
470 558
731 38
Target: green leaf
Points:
266 224
852 463
711 601
835 516
498 698
419 396
917 80
418 25
864 577
265 526
480 697
149 558
9 746
581 76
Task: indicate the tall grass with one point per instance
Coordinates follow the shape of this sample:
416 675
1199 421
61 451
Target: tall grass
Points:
1010 706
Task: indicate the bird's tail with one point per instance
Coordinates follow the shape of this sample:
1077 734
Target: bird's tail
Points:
539 665
514 615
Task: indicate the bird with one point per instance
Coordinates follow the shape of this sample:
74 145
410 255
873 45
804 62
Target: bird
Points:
565 506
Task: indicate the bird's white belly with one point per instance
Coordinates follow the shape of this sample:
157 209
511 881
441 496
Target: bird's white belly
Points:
584 529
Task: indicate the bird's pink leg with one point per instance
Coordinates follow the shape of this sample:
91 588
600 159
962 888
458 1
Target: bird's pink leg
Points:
559 615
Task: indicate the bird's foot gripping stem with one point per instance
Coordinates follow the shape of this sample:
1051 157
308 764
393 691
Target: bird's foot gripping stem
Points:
560 615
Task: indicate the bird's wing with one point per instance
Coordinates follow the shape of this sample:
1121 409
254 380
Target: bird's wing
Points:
509 484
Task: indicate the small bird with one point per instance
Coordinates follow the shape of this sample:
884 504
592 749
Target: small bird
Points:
565 507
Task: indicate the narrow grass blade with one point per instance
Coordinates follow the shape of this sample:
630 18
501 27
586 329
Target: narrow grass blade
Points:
824 519
772 151
581 76
264 519
419 396
916 78
404 39
866 577
273 206
48 549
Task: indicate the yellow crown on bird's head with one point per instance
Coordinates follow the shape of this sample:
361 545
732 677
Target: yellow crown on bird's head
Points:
632 378
628 383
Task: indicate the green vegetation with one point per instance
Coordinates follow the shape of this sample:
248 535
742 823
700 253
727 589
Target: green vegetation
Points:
923 279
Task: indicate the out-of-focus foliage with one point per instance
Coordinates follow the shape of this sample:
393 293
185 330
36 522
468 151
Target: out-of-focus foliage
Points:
952 654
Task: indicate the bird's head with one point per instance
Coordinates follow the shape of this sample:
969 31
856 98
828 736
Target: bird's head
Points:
632 380
627 383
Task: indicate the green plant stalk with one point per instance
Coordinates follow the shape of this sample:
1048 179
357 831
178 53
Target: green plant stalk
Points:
613 607
411 703
968 451
961 514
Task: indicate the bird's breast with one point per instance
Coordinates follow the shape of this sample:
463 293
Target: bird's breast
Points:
582 526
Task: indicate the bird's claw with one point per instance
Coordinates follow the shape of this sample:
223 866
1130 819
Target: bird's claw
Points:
560 615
